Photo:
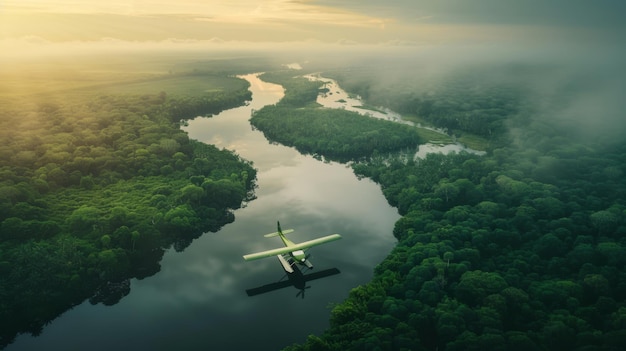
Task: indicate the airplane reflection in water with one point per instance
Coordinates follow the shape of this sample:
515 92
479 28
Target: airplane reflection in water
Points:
296 279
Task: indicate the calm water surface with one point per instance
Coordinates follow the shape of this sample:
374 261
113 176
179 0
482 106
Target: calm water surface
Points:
198 300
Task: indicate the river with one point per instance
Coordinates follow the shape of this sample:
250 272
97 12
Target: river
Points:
336 97
198 300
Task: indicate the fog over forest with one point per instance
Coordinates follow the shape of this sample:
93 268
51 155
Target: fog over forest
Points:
578 82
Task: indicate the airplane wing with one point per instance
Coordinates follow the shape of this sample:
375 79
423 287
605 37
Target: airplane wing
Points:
287 249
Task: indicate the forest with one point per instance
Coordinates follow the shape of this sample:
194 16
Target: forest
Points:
97 182
335 134
467 104
520 249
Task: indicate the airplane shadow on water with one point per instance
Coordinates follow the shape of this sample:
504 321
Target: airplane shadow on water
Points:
297 279
290 257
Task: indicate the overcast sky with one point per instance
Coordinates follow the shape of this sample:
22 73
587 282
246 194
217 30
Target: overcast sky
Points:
598 13
358 21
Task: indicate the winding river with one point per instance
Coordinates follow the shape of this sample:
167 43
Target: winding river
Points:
199 300
336 97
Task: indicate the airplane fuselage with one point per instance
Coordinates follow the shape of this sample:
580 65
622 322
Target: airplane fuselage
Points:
298 255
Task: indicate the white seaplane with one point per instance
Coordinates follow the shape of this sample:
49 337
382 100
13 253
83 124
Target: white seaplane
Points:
292 253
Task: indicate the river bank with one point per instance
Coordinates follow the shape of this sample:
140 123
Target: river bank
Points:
333 96
198 299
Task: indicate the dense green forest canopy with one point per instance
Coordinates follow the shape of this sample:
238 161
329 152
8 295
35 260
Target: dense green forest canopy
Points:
521 249
97 181
466 103
297 120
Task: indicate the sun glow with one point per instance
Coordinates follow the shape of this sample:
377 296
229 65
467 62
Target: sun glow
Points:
218 11
150 20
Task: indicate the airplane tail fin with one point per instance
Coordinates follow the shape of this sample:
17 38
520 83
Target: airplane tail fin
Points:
279 232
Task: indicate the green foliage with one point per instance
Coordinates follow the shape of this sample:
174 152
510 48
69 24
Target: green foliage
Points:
196 83
521 249
94 190
334 134
299 92
474 286
470 103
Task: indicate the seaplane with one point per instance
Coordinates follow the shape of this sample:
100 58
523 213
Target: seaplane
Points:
292 253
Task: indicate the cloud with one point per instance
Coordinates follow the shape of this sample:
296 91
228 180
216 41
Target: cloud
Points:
365 21
400 42
268 20
347 42
231 11
424 18
556 12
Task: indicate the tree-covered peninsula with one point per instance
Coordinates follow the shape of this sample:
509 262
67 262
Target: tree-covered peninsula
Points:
297 120
97 182
520 249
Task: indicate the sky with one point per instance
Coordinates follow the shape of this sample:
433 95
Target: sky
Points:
399 22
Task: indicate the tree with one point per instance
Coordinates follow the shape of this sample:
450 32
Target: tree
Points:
12 228
192 193
446 191
105 240
549 245
181 218
604 221
474 286
83 220
612 253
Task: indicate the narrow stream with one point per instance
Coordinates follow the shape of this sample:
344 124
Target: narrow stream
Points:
336 97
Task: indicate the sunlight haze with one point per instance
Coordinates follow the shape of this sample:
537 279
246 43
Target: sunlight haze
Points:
276 20
346 21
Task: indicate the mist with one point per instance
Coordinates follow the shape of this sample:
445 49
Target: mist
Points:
575 85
